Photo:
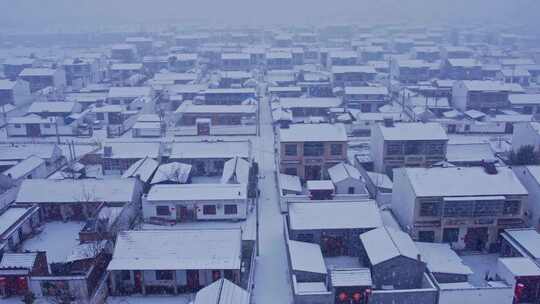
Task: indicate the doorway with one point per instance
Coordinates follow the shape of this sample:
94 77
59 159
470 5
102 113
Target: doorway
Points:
476 238
313 173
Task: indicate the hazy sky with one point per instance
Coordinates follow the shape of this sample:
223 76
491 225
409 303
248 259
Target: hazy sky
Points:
44 13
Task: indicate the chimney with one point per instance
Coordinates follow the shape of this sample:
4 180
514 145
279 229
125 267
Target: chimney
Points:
419 258
489 167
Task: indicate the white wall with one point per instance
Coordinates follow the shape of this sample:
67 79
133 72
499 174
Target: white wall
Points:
476 296
149 209
377 149
524 134
459 96
533 187
403 198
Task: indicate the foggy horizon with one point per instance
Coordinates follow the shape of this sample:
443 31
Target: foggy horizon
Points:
89 15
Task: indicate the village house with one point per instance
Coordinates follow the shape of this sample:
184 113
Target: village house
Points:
196 202
125 53
183 62
308 150
367 99
464 206
116 157
462 69
18 224
344 57
347 179
15 92
526 134
148 125
81 71
77 199
228 96
480 95
235 62
338 232
427 53
12 67
181 260
52 154
279 60
143 45
352 75
31 167
16 268
40 78
202 119
285 91
123 73
392 258
235 79
396 145
303 108
409 71
525 103
208 158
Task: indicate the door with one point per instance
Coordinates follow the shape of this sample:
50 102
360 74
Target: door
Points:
313 173
33 130
427 236
181 213
476 238
138 281
193 279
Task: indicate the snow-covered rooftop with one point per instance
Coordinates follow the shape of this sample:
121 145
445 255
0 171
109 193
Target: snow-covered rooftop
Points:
18 260
172 172
203 149
290 183
352 277
385 243
413 131
520 266
313 132
129 92
143 168
132 150
528 239
440 258
188 107
375 90
24 167
337 215
463 181
37 72
309 102
222 291
76 191
10 217
48 240
306 257
177 250
197 192
473 152
343 171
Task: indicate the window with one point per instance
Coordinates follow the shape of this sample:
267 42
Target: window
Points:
394 149
430 209
313 149
435 149
125 275
231 209
351 190
412 148
164 275
18 126
163 210
100 116
305 237
426 236
291 171
291 150
47 126
511 207
336 149
450 235
365 107
209 209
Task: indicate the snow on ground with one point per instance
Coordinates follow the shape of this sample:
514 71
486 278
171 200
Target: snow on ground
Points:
57 238
272 282
481 264
167 299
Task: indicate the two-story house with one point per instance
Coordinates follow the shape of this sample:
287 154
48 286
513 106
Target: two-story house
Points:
407 144
465 206
308 150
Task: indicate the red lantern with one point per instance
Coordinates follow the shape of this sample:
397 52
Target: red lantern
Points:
519 290
357 296
21 282
343 296
368 291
